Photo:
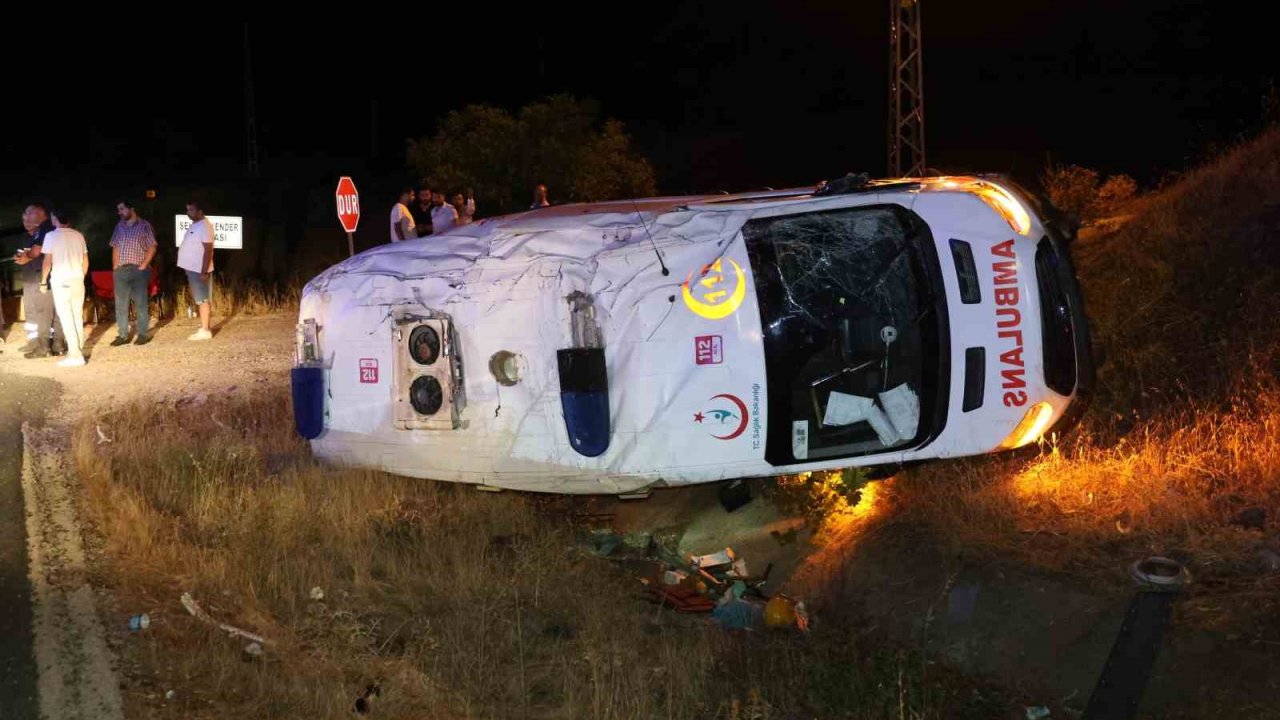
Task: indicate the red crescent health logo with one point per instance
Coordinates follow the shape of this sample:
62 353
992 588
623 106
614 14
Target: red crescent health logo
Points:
742 414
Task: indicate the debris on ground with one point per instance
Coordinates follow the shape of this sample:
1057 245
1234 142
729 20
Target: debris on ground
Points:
317 593
252 651
139 622
718 583
1039 712
364 703
739 615
192 607
724 557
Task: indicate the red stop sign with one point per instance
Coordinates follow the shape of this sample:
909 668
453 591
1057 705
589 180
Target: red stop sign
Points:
348 204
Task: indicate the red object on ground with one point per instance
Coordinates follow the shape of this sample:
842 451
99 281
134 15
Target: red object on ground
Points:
104 283
682 599
104 288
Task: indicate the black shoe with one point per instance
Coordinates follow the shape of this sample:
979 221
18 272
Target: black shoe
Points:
39 352
120 340
142 340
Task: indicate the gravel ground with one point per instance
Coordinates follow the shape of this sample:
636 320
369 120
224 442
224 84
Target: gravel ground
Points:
247 354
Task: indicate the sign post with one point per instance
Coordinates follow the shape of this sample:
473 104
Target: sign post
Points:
348 210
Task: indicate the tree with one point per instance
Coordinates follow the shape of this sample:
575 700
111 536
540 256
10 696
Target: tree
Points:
559 141
1077 190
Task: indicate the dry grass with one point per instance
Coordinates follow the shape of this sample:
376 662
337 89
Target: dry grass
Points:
458 603
1185 296
1171 486
1185 429
238 298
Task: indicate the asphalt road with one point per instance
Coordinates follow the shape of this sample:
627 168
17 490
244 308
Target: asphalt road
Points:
21 399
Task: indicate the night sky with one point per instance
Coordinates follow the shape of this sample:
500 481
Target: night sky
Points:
718 96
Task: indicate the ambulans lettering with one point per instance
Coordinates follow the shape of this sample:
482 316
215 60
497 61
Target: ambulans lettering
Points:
1008 317
1009 320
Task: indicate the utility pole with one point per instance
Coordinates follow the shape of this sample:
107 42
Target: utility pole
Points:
906 90
250 116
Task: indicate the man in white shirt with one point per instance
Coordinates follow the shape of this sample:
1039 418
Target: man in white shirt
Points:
402 225
65 263
443 215
195 256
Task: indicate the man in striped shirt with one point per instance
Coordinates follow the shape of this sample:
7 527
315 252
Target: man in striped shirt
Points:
133 247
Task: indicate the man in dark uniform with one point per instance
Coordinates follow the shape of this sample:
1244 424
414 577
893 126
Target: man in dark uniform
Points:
37 306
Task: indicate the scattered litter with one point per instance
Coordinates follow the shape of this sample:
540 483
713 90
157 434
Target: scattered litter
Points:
674 577
604 543
780 612
190 604
169 695
738 615
680 598
252 651
1160 572
1124 523
364 703
718 583
724 557
317 593
1038 712
102 437
737 590
139 622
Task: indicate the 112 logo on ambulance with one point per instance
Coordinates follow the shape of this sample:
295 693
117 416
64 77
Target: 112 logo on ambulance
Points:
717 292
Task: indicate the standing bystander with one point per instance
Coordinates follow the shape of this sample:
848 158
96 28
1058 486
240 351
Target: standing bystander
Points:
65 263
133 247
443 215
37 307
466 207
195 256
422 210
539 197
402 226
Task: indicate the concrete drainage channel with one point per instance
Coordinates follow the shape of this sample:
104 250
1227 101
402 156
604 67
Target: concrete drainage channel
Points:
76 677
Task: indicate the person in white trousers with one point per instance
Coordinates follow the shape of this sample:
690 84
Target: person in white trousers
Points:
66 262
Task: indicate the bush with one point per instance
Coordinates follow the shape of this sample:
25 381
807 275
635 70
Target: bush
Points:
1077 190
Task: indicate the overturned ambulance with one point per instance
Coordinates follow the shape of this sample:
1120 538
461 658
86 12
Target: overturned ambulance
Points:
622 346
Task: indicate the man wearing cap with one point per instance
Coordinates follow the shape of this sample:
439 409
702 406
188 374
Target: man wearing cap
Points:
133 247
